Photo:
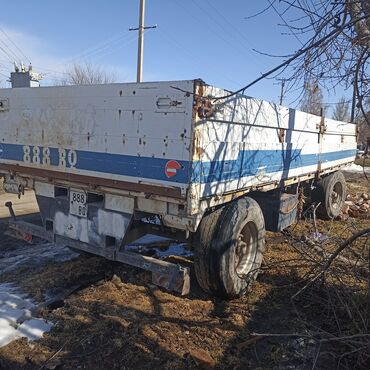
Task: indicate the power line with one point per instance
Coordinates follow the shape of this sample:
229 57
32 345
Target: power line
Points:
221 26
98 51
191 54
11 58
14 44
9 52
50 70
107 49
235 45
89 52
288 61
230 24
102 45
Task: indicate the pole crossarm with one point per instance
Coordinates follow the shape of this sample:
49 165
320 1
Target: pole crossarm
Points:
144 28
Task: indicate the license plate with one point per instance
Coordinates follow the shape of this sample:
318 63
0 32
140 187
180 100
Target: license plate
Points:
77 203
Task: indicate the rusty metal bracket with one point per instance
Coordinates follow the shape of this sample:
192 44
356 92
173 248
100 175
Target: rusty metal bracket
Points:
11 210
281 135
26 231
170 276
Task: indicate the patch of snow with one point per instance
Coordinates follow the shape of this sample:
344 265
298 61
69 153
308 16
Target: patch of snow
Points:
34 329
356 168
146 245
174 250
316 236
149 239
16 309
10 297
33 256
14 314
171 250
7 332
16 319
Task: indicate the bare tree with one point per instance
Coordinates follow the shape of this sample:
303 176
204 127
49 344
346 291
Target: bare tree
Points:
87 74
335 38
335 45
312 101
341 110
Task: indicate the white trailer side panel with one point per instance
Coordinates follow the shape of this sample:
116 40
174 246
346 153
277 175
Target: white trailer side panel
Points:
118 132
249 142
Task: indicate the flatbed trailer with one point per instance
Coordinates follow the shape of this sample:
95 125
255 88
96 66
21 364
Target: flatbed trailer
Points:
110 163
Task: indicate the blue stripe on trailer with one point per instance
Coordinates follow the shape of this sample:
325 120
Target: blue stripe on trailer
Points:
248 163
116 164
252 162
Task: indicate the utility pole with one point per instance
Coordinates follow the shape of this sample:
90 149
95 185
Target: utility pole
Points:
140 47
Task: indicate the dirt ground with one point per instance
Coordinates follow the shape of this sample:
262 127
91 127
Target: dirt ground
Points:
119 320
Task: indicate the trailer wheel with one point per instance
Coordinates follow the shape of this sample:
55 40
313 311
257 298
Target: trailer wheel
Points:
228 248
331 192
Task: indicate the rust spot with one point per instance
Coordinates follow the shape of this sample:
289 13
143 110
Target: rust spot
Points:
203 106
281 135
200 89
140 141
120 93
205 109
119 113
199 150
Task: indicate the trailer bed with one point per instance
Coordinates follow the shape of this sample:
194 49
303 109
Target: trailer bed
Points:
169 146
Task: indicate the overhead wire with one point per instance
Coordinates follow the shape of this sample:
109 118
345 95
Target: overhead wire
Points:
98 48
220 34
54 71
230 24
14 44
176 43
110 50
11 58
224 30
9 51
288 61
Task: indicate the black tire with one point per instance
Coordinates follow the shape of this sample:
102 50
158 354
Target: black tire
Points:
228 248
331 193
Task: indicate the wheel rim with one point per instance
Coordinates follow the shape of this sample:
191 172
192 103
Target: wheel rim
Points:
246 249
337 195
